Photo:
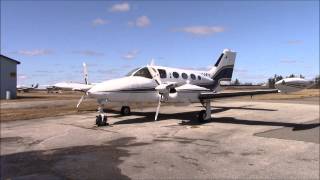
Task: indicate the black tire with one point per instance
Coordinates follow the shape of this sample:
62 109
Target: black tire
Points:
125 110
202 116
100 121
104 122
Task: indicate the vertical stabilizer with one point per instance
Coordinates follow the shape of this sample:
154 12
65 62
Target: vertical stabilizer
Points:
223 68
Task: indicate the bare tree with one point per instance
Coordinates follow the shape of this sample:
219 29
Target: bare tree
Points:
237 82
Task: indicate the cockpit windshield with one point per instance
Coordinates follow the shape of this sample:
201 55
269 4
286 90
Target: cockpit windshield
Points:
144 72
132 71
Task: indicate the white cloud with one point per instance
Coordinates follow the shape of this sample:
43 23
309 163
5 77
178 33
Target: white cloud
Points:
131 54
89 53
294 42
121 7
201 30
288 61
34 52
141 21
99 21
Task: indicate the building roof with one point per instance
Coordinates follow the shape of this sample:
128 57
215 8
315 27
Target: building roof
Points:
10 59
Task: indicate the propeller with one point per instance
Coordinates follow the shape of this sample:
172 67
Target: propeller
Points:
83 97
80 100
152 62
155 76
85 73
158 108
162 89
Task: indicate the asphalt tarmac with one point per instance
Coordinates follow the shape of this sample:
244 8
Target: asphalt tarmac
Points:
245 139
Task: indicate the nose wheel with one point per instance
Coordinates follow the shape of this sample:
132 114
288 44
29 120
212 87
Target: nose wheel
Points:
101 119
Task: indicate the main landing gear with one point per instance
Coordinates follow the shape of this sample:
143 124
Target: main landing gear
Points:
101 119
205 115
125 111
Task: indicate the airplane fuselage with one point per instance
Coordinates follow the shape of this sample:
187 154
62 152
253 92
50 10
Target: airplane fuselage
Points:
139 86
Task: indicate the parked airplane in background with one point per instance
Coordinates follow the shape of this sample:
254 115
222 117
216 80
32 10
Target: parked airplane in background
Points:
26 88
292 84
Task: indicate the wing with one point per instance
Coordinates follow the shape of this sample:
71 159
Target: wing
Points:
82 87
73 86
213 95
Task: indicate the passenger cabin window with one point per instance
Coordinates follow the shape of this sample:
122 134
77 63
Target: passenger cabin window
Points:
144 72
193 77
175 75
163 73
199 77
184 76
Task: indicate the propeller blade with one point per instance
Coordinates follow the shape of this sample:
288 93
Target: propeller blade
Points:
85 73
155 75
158 109
152 62
80 101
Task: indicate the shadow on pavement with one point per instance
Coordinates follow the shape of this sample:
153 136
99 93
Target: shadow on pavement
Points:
190 118
80 162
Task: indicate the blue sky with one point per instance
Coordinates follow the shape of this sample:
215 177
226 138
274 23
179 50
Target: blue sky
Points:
53 38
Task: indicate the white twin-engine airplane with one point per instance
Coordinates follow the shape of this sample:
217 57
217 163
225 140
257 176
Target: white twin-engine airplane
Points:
156 84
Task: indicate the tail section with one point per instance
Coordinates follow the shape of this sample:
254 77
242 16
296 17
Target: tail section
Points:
223 69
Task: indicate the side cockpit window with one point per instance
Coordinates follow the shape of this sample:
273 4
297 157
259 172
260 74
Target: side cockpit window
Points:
163 73
144 72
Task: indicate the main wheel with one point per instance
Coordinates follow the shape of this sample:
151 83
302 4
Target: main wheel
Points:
125 110
202 116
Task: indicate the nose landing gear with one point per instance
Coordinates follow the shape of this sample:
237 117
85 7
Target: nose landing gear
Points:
101 119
